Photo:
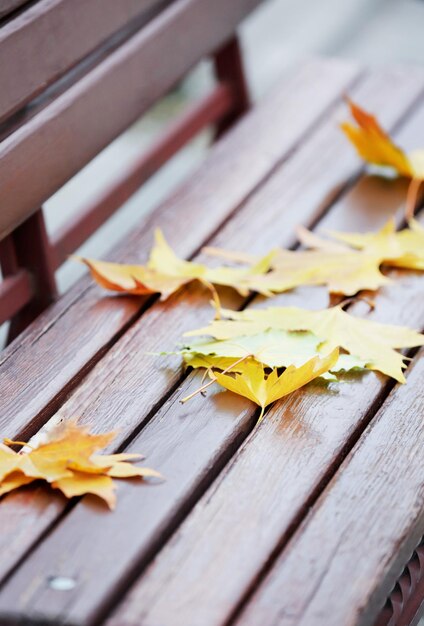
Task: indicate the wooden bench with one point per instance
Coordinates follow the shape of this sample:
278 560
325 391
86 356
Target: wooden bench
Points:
316 516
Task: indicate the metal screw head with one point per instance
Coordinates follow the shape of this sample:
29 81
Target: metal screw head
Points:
61 583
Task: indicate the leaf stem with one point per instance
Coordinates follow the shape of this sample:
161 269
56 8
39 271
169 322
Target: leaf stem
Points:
216 302
411 198
211 382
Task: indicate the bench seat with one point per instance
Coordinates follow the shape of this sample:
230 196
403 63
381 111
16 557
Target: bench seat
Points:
308 519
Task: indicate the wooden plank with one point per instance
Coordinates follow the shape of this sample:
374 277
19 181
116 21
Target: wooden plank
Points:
89 321
195 440
262 495
58 35
43 154
343 562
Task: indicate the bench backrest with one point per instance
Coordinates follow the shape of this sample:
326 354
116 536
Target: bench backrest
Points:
77 75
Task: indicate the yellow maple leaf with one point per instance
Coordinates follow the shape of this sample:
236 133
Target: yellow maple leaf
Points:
373 343
165 273
341 272
252 381
404 248
68 462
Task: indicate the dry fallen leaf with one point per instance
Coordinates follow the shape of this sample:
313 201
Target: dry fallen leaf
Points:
342 269
375 146
68 462
165 273
252 381
404 248
371 342
270 347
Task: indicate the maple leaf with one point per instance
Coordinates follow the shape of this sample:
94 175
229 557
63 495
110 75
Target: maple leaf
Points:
404 248
165 273
342 272
373 343
252 381
68 462
271 347
341 269
375 146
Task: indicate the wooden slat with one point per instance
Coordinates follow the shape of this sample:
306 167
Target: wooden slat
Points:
42 155
57 34
195 440
251 510
90 321
341 565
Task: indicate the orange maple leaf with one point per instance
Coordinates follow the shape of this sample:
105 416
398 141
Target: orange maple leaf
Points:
67 461
375 146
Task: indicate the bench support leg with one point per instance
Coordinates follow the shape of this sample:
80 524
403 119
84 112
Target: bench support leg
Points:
228 62
33 252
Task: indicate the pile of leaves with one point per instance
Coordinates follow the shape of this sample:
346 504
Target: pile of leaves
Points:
282 336
246 351
68 461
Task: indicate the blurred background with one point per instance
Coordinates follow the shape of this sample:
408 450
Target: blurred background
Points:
277 35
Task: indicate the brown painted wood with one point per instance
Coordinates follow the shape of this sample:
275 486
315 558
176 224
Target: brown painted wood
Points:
283 465
42 155
340 566
33 253
15 293
90 319
58 34
228 65
182 458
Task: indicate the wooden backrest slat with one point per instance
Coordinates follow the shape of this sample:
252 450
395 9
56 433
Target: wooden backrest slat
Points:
43 42
43 154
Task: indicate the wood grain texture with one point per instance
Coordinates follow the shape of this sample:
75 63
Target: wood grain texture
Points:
219 552
357 538
57 34
90 320
54 145
97 400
